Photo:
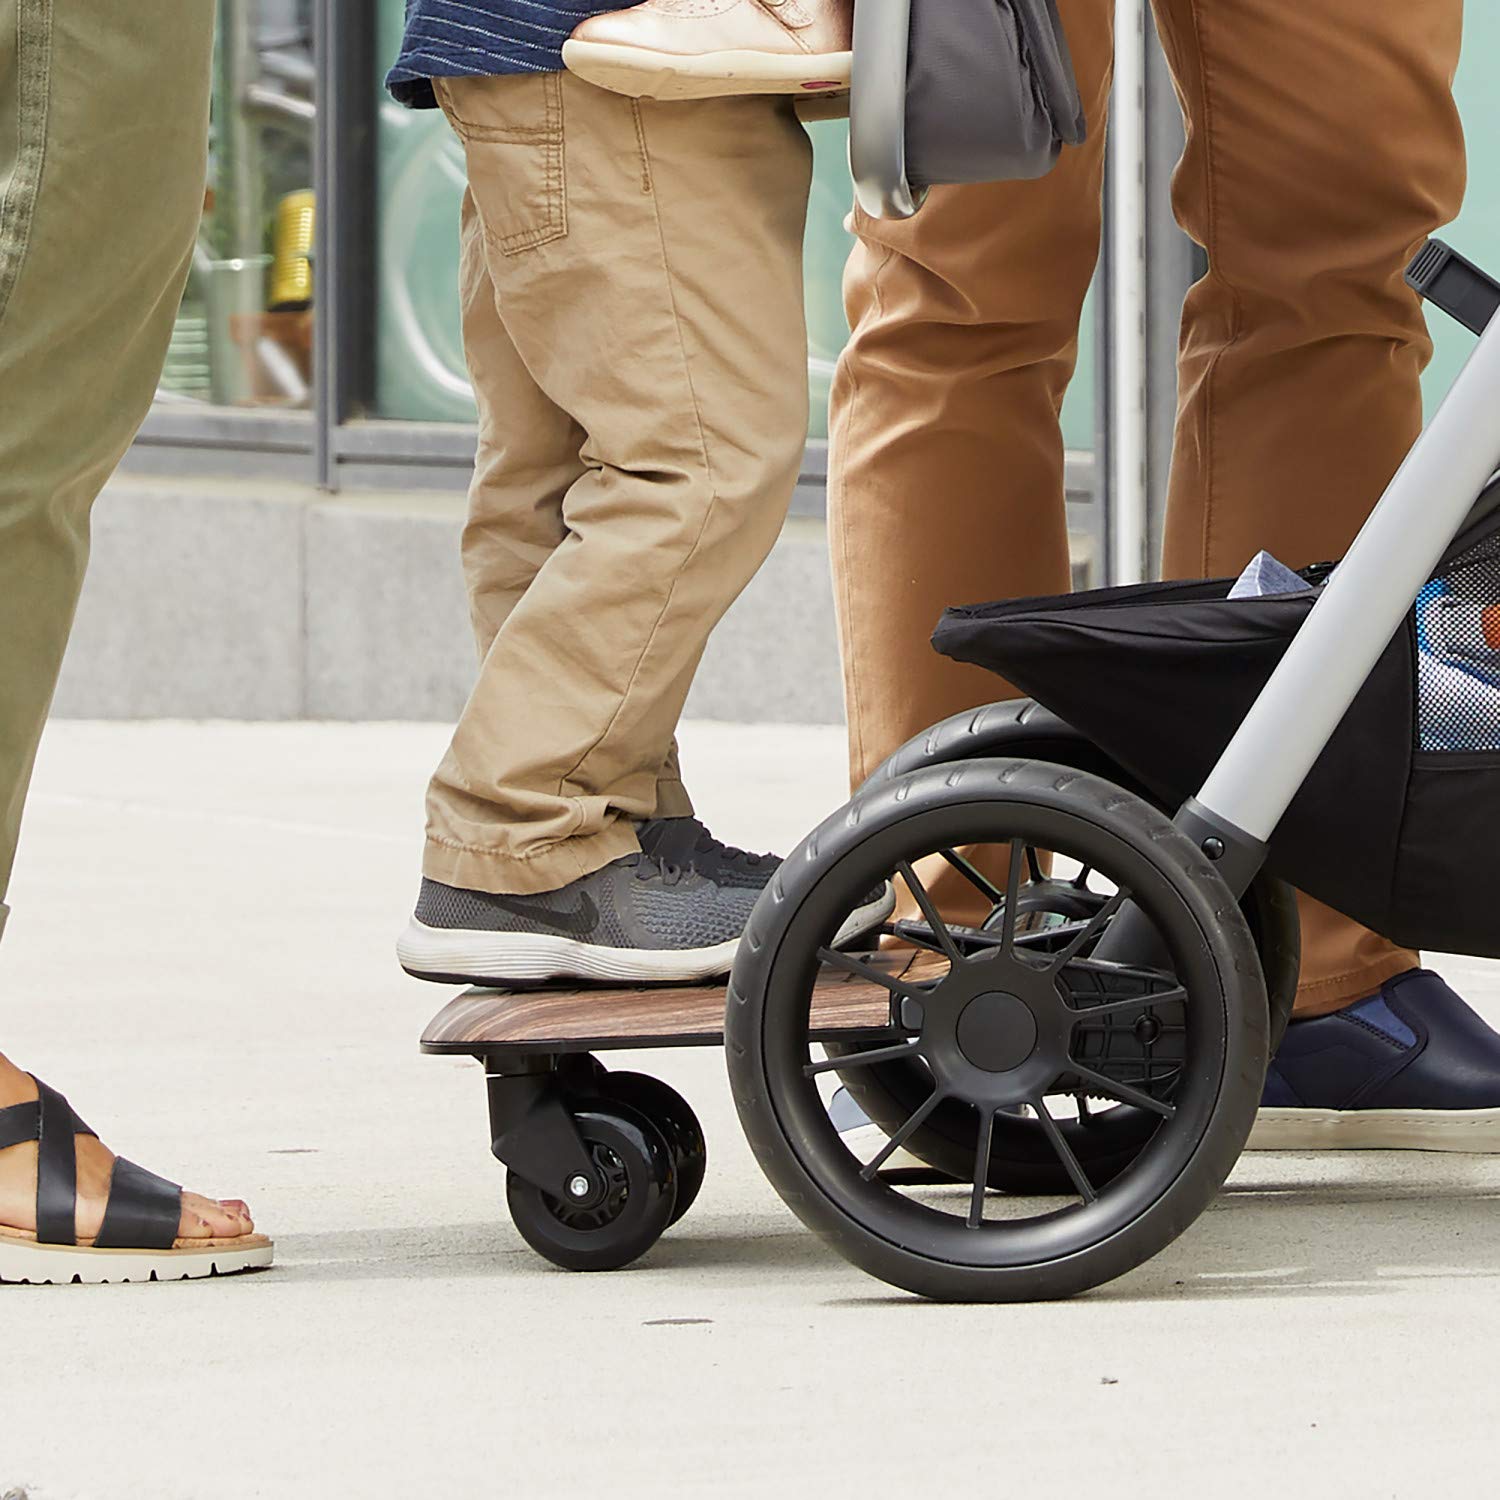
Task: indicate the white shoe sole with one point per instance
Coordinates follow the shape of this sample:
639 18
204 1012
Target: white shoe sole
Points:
864 918
468 956
642 73
1472 1130
24 1261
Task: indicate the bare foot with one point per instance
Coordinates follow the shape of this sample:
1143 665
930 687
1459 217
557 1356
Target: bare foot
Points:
202 1218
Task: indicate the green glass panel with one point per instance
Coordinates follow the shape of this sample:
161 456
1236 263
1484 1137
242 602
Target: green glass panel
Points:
1476 232
420 374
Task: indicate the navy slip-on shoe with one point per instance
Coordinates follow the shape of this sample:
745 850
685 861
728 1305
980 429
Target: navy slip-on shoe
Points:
1412 1068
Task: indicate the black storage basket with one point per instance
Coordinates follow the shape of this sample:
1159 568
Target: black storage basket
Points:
1397 825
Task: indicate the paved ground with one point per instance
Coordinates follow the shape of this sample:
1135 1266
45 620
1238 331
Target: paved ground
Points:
201 957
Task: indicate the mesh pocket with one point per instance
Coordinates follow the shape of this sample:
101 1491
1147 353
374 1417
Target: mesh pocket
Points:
1458 653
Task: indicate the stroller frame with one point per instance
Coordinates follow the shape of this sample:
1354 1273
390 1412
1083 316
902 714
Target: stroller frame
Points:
1362 605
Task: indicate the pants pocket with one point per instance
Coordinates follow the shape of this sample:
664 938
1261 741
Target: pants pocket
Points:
512 133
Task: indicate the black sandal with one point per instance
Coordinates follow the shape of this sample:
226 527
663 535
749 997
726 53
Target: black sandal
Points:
137 1240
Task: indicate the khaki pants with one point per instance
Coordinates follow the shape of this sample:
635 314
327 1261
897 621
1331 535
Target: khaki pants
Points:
632 300
103 140
1323 145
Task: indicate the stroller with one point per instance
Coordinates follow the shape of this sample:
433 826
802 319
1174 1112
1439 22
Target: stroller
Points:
1060 1039
1100 945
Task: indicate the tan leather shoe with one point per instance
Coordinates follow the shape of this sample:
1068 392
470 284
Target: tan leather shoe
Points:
704 49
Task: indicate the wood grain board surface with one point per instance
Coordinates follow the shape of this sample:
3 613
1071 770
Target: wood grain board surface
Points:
660 1016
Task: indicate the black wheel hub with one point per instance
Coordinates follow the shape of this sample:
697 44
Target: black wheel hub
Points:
996 1032
608 1193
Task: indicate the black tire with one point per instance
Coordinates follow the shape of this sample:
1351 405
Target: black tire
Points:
1179 1166
1022 1160
1022 728
626 1218
674 1117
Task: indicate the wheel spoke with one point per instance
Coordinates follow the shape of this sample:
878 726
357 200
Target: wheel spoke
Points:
861 970
859 1059
1126 1006
1095 925
917 934
1081 880
1034 866
934 918
1012 892
981 1167
1059 1141
1122 1092
900 1138
975 876
1108 969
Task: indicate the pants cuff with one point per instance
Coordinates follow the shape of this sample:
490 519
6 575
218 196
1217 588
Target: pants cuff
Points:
548 869
1324 996
672 800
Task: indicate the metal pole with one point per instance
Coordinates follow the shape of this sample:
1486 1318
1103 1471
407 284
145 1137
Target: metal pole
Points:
344 174
325 317
1127 436
1173 264
239 203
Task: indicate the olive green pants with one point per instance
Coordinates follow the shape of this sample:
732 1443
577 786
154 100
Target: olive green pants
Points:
103 142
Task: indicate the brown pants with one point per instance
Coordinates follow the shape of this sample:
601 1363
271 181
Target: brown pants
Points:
632 303
1323 144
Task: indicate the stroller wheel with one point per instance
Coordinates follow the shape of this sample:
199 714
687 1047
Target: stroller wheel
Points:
1103 1135
1019 1032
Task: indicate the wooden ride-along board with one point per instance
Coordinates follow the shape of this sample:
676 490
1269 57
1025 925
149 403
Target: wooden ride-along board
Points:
601 1019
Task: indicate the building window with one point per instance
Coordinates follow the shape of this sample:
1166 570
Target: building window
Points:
244 336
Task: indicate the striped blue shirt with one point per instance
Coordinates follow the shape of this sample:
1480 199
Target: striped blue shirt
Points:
477 38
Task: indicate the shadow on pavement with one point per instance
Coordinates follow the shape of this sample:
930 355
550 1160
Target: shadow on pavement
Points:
1402 1219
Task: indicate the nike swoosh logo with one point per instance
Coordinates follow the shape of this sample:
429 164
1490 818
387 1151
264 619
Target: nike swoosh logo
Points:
577 923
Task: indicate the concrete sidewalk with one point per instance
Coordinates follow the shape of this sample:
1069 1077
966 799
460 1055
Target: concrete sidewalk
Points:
201 957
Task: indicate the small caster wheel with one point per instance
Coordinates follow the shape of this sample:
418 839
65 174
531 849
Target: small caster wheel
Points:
621 1213
580 1073
674 1117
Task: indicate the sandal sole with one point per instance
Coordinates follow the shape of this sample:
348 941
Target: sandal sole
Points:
24 1262
641 73
1474 1131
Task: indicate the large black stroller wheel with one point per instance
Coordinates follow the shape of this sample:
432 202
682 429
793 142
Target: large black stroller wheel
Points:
1014 1021
1103 1135
619 1214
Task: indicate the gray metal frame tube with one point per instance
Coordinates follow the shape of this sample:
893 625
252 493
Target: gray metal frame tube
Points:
1363 604
877 120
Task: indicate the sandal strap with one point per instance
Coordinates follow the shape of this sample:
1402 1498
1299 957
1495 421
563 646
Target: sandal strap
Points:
56 1167
20 1124
143 1213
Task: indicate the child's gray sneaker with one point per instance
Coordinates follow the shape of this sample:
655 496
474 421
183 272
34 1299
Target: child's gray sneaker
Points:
687 843
636 921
